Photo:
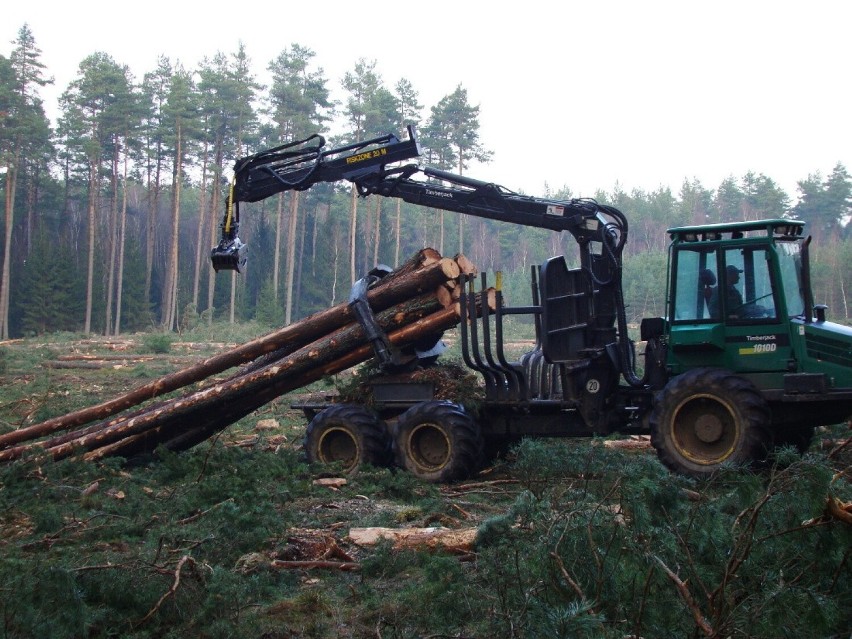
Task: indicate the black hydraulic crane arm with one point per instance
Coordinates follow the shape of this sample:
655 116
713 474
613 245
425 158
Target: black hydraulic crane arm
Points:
302 164
585 219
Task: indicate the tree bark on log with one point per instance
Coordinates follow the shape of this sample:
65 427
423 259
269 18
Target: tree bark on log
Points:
458 541
424 272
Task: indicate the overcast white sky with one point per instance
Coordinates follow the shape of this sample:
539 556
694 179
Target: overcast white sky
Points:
577 94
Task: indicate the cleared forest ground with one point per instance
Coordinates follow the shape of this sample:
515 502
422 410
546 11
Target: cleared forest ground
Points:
240 537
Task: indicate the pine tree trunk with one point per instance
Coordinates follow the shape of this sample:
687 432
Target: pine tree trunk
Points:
5 283
170 276
122 239
353 226
90 265
153 212
214 228
441 238
113 240
202 225
460 168
32 187
335 268
291 255
300 265
378 235
276 257
232 317
397 233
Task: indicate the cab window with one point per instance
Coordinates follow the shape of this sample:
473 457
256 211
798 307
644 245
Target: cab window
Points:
694 283
744 293
790 265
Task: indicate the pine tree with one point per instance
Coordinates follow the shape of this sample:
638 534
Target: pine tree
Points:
838 199
696 202
92 107
152 158
361 84
461 126
180 113
23 142
408 113
728 201
763 198
299 105
53 300
228 92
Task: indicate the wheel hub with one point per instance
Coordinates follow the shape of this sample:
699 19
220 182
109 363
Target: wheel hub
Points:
338 445
704 430
429 446
709 428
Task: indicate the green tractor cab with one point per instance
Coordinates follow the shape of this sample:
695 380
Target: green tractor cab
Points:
750 361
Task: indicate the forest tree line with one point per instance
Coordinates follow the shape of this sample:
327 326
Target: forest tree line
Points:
110 214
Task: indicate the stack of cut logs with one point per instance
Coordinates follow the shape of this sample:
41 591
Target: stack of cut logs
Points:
417 300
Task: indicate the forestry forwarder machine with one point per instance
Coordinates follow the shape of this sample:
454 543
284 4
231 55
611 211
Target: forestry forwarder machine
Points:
726 376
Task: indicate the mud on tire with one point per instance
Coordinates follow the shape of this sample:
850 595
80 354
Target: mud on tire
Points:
349 434
708 417
438 441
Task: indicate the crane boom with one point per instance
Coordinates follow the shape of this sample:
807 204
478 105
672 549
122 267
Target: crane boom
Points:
302 164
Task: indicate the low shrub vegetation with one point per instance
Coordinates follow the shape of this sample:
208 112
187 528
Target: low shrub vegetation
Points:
236 538
608 544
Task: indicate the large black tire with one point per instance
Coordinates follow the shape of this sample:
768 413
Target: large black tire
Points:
347 434
708 417
438 441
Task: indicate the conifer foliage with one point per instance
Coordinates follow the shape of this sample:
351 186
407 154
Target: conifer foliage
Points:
574 540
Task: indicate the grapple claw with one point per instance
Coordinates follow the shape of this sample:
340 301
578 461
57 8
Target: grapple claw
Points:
229 255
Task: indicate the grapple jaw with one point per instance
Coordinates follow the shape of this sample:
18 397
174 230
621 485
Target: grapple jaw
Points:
229 255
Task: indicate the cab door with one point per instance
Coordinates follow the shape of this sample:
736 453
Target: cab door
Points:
697 333
757 339
725 311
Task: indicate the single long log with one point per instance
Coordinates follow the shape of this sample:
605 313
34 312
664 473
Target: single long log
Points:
81 364
458 541
422 273
77 357
284 374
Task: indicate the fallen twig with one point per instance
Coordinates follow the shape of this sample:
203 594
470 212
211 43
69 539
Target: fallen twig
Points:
198 515
171 591
683 591
320 563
